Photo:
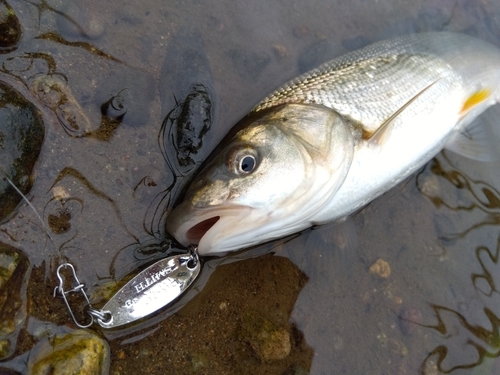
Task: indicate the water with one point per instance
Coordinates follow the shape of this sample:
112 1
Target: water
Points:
103 193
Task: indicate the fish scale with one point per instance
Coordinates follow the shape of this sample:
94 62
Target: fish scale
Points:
368 92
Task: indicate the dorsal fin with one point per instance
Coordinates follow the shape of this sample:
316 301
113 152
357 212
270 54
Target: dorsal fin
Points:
381 134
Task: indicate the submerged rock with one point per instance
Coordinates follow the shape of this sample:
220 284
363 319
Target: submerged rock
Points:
10 28
79 352
381 269
13 268
186 88
54 93
268 341
190 120
21 137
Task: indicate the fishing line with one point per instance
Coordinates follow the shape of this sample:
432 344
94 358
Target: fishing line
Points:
29 204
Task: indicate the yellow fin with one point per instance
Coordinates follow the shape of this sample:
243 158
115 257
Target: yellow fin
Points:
381 134
477 97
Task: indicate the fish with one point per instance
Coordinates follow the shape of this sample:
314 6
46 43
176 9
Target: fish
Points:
330 141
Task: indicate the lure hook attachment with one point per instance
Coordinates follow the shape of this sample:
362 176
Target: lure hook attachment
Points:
77 287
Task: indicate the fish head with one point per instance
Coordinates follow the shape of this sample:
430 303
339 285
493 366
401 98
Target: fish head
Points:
267 181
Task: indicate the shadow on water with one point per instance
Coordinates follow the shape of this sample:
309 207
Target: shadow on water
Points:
478 195
133 99
481 341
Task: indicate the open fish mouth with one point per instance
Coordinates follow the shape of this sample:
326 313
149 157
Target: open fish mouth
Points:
195 234
210 229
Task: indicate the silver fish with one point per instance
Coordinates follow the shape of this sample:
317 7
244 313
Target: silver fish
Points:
330 141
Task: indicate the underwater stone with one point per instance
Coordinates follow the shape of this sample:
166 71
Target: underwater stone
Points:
191 120
10 29
54 93
381 269
79 352
21 137
13 268
268 341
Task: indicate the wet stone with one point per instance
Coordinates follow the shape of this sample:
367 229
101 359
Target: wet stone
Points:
54 93
21 137
268 341
4 348
79 352
381 269
191 121
10 28
13 268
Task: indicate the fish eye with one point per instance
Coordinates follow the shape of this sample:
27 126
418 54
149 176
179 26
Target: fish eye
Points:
247 164
242 160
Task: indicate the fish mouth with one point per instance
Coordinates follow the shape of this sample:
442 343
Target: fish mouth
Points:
195 233
208 228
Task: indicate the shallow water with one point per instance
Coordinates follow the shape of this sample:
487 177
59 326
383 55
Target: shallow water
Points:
438 310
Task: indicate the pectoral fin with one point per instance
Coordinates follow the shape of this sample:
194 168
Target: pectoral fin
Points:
473 100
479 141
382 133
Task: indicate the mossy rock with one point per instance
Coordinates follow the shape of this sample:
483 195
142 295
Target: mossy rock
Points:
21 138
77 353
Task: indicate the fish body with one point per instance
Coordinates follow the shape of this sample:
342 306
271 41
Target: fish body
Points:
332 140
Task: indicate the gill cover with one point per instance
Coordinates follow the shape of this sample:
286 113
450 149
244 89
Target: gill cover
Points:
267 182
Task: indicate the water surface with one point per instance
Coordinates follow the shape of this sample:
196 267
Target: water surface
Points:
103 189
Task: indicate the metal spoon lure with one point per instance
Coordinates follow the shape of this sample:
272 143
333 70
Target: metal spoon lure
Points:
147 292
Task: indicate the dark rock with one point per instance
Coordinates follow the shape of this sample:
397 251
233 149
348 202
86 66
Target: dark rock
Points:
188 123
21 137
10 28
13 269
186 91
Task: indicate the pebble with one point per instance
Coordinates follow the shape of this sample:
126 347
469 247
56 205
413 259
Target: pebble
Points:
380 269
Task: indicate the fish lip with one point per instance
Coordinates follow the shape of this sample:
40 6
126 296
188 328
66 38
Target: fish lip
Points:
203 227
